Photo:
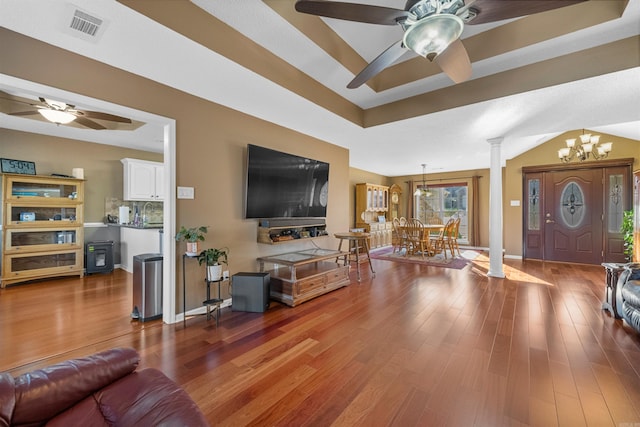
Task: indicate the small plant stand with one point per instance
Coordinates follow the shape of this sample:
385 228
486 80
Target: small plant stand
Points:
215 302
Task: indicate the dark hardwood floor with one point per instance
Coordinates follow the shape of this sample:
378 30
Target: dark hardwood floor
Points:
415 346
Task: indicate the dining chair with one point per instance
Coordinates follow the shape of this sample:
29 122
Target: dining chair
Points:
452 238
440 243
417 240
397 235
434 220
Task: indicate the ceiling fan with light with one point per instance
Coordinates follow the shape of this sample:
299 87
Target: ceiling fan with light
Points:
57 112
432 28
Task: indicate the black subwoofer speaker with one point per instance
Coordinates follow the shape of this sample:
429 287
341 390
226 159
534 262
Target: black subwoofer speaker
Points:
250 292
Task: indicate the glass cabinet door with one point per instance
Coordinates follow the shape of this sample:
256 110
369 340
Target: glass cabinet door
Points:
29 264
26 214
40 239
26 187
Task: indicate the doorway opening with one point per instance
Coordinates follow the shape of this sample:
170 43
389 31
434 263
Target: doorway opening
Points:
163 128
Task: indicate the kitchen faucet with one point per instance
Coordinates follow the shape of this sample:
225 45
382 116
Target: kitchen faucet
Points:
144 214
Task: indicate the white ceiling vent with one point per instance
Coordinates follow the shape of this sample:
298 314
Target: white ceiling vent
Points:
82 24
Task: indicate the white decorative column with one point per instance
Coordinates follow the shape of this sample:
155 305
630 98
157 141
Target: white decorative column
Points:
495 209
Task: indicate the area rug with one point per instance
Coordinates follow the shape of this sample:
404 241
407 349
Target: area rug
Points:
459 262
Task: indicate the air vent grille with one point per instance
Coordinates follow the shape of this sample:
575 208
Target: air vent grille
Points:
85 23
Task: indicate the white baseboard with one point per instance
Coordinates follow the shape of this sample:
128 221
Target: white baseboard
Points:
480 248
201 310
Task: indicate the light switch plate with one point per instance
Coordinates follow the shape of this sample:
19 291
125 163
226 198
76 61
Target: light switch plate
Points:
185 193
515 202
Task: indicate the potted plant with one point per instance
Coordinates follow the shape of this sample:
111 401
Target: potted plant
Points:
627 234
192 236
213 258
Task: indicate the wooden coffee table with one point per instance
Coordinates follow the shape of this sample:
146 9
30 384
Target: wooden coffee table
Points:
299 276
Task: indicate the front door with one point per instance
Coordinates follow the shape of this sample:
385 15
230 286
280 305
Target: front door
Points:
574 214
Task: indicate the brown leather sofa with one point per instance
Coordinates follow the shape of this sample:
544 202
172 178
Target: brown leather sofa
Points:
628 295
99 390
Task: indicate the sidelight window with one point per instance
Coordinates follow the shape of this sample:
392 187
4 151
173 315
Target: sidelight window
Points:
533 208
615 203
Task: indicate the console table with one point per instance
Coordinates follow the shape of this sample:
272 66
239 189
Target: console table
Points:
299 276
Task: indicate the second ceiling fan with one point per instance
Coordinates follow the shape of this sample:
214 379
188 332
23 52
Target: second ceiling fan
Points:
432 28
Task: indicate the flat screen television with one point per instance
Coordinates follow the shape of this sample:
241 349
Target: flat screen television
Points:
282 185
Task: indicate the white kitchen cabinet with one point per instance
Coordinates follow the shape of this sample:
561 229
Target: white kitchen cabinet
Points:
137 241
143 180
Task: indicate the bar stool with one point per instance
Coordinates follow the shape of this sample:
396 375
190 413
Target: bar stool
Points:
356 241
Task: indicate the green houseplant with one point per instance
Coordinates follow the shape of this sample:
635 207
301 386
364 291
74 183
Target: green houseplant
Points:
627 233
191 236
213 258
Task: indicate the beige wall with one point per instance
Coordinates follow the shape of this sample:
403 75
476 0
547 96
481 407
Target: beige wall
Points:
101 163
210 149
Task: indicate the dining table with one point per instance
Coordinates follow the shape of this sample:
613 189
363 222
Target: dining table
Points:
428 231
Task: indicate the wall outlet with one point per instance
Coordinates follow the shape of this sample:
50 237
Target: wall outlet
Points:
225 274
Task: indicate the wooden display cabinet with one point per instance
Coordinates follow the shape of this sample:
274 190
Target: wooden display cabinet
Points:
372 202
42 227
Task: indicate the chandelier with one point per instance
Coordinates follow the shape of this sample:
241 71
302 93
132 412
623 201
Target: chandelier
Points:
424 183
589 148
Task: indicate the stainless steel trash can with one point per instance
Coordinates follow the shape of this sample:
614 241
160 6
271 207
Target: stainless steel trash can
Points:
147 287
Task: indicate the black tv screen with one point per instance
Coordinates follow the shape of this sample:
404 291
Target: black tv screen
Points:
281 185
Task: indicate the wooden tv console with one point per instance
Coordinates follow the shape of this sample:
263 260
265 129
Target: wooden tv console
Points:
299 276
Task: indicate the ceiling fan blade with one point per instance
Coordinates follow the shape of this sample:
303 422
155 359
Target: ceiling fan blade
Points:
102 116
24 113
386 58
454 62
12 98
353 11
89 123
497 10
